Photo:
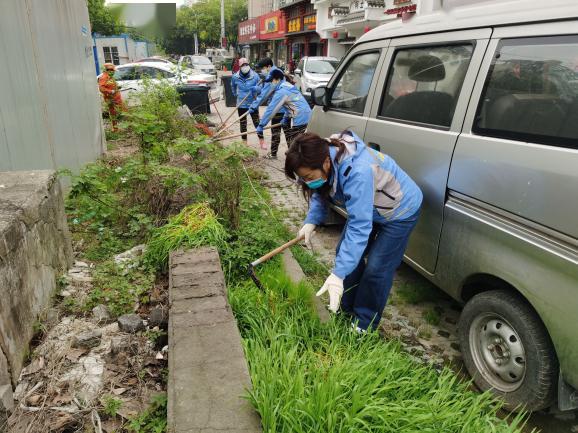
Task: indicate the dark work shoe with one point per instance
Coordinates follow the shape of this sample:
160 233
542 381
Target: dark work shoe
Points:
270 156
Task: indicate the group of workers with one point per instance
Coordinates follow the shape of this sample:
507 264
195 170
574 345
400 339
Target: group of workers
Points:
382 201
287 109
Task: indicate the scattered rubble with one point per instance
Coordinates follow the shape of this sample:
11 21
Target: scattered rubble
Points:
129 259
87 340
101 313
81 359
159 316
131 323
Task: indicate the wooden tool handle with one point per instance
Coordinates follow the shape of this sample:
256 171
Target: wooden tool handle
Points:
243 133
278 250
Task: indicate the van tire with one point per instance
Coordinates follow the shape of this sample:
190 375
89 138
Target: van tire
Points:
506 313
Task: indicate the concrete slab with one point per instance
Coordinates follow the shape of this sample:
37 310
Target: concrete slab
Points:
208 373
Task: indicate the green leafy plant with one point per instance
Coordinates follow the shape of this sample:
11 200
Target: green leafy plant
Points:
153 419
118 288
111 405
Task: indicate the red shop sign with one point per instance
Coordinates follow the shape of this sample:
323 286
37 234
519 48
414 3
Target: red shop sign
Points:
249 30
272 26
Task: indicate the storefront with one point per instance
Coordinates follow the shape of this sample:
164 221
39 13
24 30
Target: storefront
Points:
272 27
301 38
248 39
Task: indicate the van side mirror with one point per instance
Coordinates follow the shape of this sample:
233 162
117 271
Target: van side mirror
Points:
297 71
319 96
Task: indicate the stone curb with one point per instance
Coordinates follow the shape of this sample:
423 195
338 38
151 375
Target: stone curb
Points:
208 373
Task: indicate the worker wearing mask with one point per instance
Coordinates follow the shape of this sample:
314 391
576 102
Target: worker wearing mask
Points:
264 92
242 85
296 110
111 93
383 205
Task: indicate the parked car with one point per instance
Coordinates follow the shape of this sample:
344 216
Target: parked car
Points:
199 64
218 56
157 59
130 77
481 111
312 72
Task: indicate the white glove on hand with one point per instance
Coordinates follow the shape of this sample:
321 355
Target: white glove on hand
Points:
334 285
307 231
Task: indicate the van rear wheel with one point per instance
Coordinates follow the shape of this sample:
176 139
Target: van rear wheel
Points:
506 349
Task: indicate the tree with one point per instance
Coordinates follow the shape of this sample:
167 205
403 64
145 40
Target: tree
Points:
102 20
204 19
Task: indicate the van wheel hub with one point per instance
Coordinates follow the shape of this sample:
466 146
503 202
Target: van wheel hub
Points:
498 352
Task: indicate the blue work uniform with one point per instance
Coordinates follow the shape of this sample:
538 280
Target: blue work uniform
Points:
264 92
242 85
382 204
287 96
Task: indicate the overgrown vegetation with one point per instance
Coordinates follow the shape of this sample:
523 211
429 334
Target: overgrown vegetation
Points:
175 189
181 191
309 377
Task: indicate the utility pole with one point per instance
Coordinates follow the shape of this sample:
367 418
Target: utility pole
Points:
223 40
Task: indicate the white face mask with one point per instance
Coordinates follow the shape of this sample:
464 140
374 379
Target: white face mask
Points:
245 69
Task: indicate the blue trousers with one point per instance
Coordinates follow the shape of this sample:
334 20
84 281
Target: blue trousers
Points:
367 288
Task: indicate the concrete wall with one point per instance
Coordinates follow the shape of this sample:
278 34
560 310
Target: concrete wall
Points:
50 113
34 251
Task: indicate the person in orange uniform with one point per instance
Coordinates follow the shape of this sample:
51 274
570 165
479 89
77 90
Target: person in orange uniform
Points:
111 93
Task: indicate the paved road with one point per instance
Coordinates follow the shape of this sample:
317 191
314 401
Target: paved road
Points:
418 313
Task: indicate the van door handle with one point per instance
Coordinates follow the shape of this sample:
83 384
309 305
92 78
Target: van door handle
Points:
375 146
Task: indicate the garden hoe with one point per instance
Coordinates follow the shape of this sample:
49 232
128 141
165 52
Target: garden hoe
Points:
244 133
268 256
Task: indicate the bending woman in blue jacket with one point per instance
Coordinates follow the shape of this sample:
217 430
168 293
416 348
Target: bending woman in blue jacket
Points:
288 98
242 85
382 203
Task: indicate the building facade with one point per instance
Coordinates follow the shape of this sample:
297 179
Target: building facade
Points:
302 38
119 50
320 27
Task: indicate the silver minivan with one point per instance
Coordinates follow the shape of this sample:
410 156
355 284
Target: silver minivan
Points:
479 105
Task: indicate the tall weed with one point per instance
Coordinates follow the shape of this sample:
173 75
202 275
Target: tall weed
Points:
309 377
195 226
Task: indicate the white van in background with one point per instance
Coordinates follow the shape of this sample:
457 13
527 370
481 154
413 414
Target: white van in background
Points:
479 105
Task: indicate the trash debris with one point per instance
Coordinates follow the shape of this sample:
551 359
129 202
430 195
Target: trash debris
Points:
129 258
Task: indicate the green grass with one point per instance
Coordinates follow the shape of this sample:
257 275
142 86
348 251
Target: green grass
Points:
432 317
415 292
311 377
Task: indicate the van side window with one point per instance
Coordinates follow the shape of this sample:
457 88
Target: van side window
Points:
424 84
531 92
351 89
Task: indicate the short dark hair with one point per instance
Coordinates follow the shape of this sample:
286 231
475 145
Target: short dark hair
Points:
275 74
265 61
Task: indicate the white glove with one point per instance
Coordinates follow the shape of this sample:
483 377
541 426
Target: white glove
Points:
307 230
334 285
